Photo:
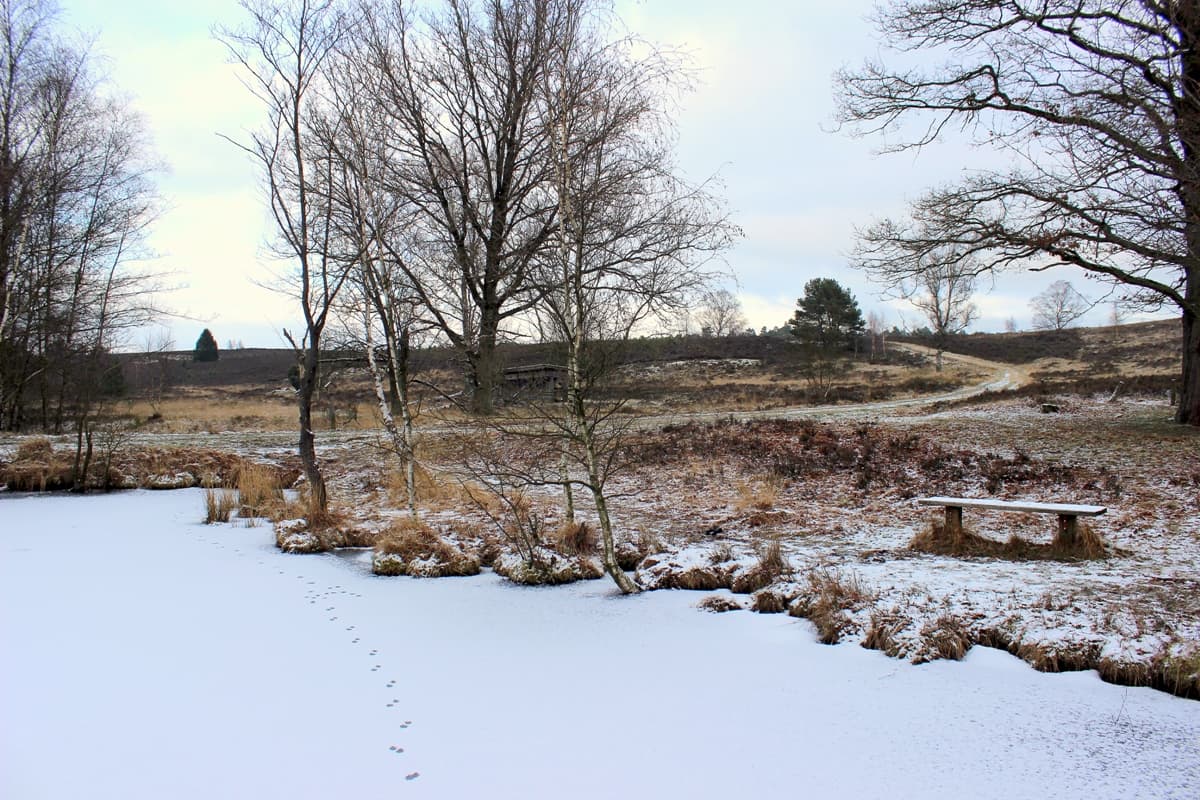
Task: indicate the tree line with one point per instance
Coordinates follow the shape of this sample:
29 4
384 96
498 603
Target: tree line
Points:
75 200
476 171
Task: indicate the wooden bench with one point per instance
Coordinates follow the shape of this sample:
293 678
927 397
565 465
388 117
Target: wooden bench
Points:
1068 514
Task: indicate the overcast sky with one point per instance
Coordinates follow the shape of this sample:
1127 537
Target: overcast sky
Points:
760 118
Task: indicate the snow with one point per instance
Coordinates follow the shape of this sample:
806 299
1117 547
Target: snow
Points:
144 655
1008 505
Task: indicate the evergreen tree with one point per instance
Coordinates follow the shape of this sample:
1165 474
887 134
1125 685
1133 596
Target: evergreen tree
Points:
827 317
206 347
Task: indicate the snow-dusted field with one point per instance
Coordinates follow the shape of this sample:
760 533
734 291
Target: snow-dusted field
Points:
143 655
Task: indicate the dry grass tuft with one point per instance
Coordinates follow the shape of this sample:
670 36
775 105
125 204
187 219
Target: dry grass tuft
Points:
774 599
936 540
576 539
945 637
1179 672
829 596
259 490
218 505
756 496
544 567
38 448
719 604
770 567
881 633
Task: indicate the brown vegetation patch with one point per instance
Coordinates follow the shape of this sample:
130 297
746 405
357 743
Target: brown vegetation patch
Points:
936 540
719 604
770 567
259 490
575 539
775 599
218 505
36 467
411 547
882 631
943 638
869 455
666 573
544 567
830 594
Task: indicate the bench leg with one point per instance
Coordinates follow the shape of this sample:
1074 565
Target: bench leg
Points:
954 522
1068 528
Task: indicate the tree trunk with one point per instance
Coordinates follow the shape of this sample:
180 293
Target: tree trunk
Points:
318 500
483 381
1188 411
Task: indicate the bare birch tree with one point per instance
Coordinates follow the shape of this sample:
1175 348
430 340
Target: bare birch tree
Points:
942 291
631 242
720 313
75 200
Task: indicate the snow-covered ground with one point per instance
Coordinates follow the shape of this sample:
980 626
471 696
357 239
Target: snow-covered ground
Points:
144 655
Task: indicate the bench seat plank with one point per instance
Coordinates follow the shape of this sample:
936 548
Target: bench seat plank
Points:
1067 509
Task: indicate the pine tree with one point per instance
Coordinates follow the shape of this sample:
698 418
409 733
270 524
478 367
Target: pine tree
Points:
827 317
206 347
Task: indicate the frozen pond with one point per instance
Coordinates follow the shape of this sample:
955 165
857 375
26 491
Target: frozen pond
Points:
144 655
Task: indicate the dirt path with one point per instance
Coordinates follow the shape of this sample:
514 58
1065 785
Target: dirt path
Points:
1001 377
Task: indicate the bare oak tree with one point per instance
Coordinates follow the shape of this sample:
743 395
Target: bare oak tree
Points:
1097 106
1058 307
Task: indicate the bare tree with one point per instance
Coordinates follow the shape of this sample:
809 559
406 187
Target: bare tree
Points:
942 291
1096 107
877 332
1058 306
720 313
284 49
75 199
631 244
470 154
